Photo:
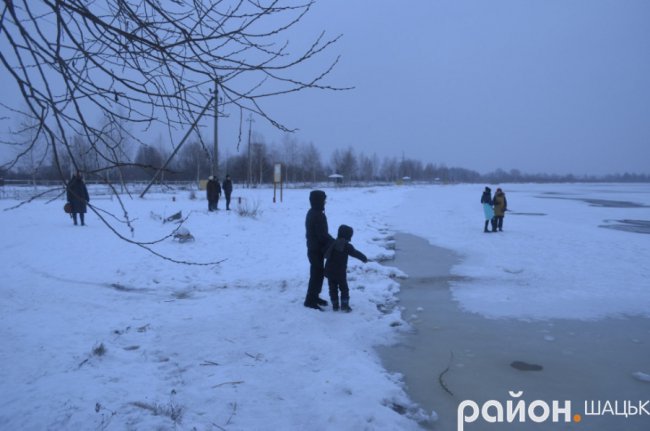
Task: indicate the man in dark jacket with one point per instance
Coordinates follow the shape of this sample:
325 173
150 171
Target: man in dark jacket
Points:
318 240
212 191
77 195
336 267
227 189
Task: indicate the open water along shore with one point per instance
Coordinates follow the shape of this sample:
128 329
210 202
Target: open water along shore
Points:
450 355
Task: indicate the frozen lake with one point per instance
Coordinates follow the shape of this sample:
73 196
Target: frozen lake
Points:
452 355
564 287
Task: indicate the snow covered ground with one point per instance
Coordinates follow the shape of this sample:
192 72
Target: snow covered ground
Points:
100 334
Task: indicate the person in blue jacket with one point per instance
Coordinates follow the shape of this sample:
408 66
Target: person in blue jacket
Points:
486 200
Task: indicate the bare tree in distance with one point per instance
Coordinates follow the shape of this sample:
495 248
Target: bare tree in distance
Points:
344 162
367 168
311 162
290 153
143 63
31 152
193 160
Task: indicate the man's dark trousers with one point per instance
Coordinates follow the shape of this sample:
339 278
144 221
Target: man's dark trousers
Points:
316 276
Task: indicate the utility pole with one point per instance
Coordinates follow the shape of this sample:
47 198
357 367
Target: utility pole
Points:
249 180
215 166
260 156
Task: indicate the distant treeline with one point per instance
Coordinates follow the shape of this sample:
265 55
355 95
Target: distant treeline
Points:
515 176
301 163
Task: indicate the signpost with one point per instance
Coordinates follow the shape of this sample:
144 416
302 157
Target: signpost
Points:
277 179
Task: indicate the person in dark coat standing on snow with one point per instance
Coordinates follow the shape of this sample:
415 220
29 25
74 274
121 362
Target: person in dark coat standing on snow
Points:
336 267
227 189
500 207
212 191
486 200
77 195
318 240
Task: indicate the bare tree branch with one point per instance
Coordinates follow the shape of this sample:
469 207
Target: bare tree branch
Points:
141 63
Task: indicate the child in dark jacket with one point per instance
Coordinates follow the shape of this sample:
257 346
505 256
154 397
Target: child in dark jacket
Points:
337 265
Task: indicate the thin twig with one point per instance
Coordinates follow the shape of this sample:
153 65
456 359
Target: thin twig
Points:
442 383
234 410
228 383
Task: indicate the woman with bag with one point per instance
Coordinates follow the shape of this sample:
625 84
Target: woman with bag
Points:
77 195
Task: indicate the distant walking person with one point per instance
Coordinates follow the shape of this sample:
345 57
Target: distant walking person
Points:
212 191
500 207
486 200
227 189
336 267
77 195
318 240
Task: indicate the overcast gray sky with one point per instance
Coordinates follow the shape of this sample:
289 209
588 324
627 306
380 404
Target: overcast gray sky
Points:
547 85
557 86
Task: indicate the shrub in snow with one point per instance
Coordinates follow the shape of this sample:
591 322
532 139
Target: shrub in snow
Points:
251 210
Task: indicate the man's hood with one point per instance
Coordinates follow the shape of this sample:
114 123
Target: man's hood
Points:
317 199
